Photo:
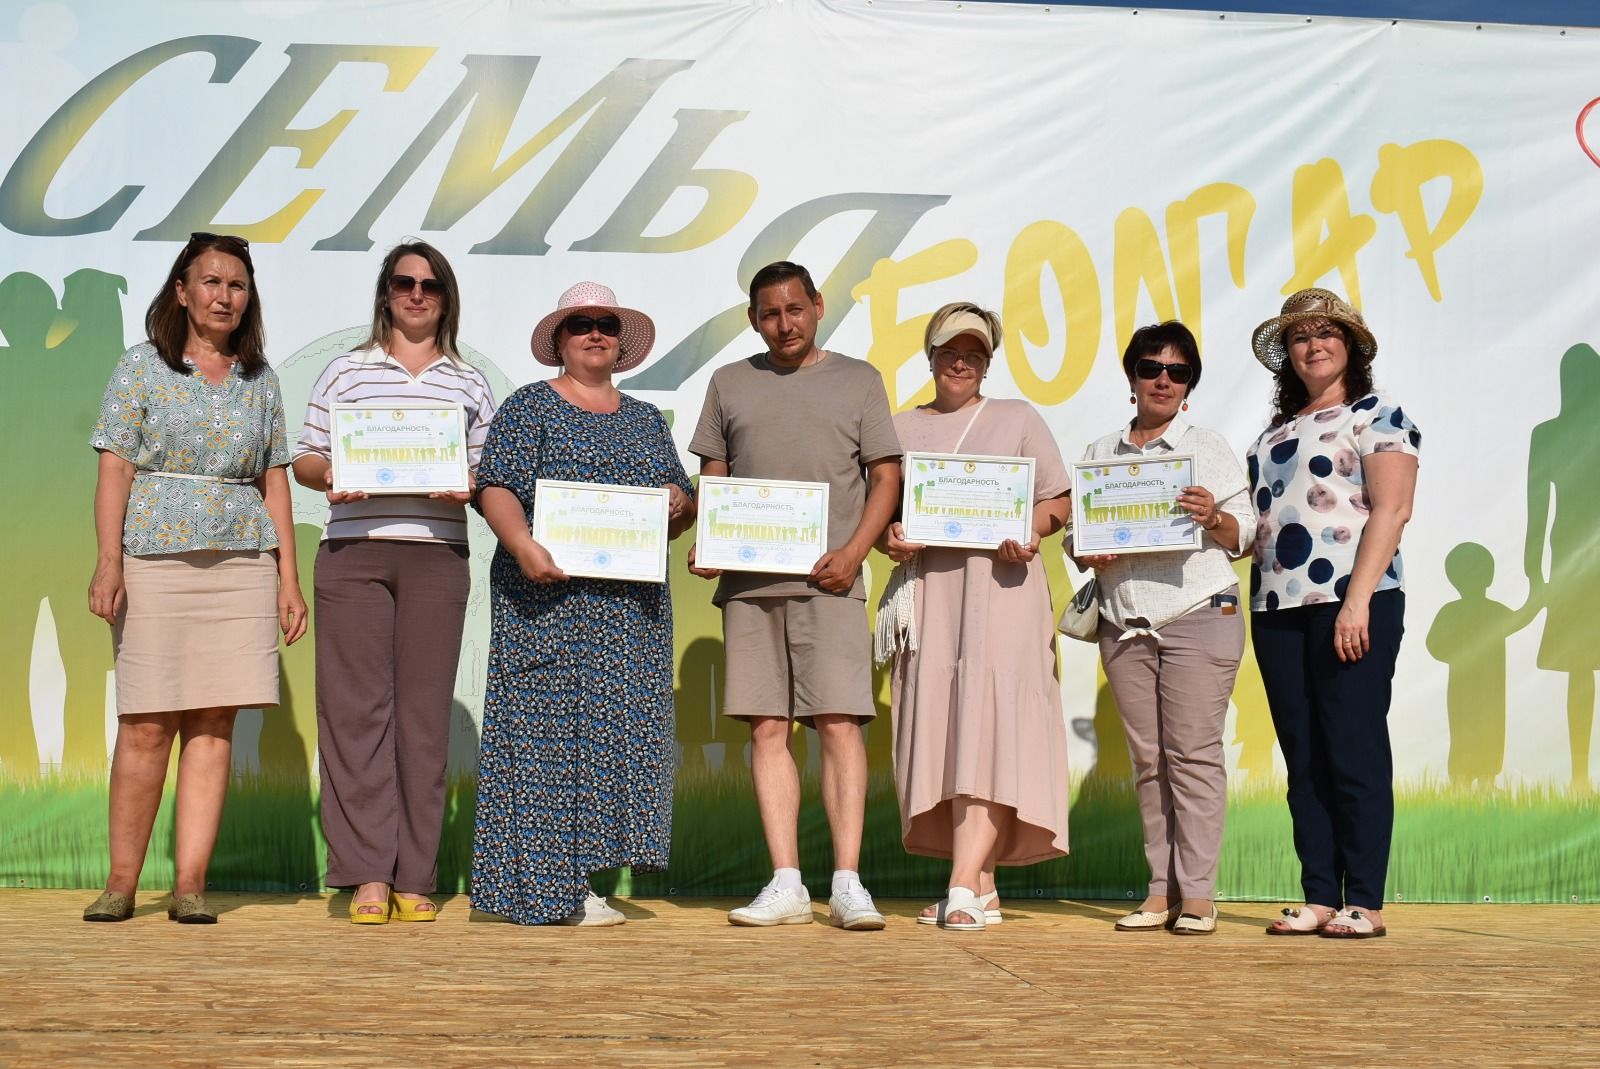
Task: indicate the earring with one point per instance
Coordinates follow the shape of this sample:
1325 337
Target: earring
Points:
1186 406
1132 400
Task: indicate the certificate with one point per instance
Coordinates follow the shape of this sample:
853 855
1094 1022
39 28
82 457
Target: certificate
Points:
602 531
398 449
1131 505
972 502
757 525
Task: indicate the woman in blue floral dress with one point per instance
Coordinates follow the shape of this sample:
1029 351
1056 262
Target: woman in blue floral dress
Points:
575 773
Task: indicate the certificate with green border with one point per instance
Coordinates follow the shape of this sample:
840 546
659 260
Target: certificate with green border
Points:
966 501
1130 505
398 449
602 531
761 525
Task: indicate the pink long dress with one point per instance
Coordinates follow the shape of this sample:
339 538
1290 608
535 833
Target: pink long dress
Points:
977 706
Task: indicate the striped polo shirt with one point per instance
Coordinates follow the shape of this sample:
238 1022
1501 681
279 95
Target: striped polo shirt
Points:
373 377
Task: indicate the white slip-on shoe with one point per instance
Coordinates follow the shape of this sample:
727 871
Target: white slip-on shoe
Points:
773 906
593 912
1194 924
852 910
1147 920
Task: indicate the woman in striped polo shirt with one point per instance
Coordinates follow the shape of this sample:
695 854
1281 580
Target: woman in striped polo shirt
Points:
391 596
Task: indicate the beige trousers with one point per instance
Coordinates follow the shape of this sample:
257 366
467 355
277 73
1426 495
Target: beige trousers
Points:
1173 697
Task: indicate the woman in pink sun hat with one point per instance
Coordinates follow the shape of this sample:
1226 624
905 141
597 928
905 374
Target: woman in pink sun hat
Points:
575 773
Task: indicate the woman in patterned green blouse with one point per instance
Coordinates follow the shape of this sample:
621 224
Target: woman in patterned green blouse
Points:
192 574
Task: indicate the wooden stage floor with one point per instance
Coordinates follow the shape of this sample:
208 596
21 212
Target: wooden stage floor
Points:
284 981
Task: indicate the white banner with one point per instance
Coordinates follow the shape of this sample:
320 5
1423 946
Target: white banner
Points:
1081 171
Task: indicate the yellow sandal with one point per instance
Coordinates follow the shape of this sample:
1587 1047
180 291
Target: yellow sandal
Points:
410 909
380 917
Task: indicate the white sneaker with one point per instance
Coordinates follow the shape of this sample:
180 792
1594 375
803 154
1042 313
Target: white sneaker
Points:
852 910
773 906
593 912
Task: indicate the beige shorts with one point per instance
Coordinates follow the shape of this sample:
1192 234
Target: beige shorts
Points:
797 657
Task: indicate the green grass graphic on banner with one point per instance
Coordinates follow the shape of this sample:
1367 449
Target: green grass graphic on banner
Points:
1450 845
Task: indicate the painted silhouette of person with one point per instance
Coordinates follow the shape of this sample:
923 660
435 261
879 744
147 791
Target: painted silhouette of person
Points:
52 372
1469 635
1562 458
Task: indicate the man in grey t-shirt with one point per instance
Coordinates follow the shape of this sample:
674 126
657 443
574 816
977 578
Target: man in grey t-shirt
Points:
798 647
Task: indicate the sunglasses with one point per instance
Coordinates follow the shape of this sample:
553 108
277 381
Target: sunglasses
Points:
401 285
1180 374
578 326
206 235
950 356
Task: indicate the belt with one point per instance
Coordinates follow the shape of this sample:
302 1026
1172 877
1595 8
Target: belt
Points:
1139 627
198 478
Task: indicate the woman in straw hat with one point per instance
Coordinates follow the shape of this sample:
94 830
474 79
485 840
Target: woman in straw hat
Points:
1333 477
980 746
575 774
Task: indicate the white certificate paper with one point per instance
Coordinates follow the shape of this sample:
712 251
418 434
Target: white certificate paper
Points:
1131 505
602 531
758 525
972 502
399 449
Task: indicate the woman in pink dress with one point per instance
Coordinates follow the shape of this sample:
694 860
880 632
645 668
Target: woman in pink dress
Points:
980 746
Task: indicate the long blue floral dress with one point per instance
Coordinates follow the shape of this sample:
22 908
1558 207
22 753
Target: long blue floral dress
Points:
575 773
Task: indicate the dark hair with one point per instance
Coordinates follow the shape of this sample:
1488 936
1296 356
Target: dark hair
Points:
449 314
776 275
166 323
1291 394
1151 341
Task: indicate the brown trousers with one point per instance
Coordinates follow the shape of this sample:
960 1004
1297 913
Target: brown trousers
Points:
1173 697
389 622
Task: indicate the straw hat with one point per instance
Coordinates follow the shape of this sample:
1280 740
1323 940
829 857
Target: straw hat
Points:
1267 340
638 332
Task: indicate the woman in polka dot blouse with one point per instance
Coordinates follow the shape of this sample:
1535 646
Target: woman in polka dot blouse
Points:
1333 478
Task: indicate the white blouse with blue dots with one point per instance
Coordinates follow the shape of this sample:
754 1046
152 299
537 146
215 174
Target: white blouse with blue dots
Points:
1311 500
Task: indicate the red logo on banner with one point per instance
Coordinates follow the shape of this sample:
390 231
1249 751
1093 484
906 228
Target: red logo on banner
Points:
1583 138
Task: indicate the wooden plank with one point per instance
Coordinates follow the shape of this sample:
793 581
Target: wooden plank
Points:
287 981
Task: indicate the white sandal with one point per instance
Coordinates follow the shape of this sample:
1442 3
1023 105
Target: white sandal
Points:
991 910
1352 924
962 900
1302 921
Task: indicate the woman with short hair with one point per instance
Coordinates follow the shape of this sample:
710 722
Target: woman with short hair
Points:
1171 636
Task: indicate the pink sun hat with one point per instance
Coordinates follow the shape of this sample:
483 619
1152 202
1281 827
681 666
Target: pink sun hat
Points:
638 332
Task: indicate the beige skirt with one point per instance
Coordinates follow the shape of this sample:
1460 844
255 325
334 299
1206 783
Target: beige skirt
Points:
199 631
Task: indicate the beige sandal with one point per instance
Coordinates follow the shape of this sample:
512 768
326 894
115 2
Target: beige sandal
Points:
110 906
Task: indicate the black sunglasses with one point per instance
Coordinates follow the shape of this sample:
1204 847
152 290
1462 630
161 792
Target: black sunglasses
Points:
206 235
401 285
1180 374
578 326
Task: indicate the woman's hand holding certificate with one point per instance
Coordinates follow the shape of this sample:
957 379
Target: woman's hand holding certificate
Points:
603 531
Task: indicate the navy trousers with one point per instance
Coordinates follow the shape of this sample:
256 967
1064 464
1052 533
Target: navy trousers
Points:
1332 724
